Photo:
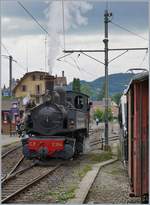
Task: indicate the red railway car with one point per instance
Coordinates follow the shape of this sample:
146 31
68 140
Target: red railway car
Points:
138 142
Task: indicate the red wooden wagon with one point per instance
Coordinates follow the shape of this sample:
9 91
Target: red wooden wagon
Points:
138 142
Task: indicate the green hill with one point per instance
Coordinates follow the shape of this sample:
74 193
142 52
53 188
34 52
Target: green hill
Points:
117 83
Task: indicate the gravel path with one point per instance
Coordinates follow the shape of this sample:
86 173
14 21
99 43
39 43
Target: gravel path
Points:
111 186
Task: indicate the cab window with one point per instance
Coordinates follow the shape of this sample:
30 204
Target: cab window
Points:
79 102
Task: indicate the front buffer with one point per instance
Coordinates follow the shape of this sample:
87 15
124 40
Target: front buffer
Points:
47 148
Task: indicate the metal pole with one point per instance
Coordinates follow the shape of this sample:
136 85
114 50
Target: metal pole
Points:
10 75
106 20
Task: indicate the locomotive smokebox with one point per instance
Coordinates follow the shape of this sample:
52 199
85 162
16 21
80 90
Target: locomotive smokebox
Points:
49 83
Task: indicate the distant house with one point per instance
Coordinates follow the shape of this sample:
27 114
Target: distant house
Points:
33 84
5 91
101 105
10 110
114 109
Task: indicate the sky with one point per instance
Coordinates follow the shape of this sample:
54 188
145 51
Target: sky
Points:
83 28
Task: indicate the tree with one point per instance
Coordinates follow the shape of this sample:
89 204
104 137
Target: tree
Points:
76 85
101 115
85 88
116 98
98 114
110 115
101 95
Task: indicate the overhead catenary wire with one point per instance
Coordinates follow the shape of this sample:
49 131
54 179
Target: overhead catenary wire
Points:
27 11
6 49
37 22
144 58
42 27
78 67
81 68
63 23
131 32
9 54
21 66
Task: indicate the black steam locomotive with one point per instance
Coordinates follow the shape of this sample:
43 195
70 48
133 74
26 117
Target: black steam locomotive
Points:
58 126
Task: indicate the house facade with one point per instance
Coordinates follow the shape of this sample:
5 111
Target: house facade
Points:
33 85
11 109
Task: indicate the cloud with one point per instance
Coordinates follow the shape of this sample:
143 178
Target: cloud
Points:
74 66
16 27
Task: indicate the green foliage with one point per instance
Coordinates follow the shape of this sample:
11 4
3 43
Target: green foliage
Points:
101 157
76 85
110 115
116 98
101 115
119 152
84 171
117 84
63 196
7 97
86 89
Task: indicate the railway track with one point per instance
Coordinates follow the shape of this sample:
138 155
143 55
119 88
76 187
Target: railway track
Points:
13 169
22 180
10 151
11 160
99 141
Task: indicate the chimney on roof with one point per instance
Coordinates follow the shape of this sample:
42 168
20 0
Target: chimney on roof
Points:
63 73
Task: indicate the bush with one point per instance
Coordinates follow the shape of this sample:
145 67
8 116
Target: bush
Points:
101 115
98 114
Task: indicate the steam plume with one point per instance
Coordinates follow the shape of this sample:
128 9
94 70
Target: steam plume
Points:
74 16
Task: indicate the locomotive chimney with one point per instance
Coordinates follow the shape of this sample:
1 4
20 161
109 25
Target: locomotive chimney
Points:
63 73
49 83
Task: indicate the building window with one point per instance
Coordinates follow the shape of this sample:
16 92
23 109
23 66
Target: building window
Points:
41 77
37 89
33 77
5 117
23 88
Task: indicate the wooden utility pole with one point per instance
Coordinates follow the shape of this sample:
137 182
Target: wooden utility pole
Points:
10 75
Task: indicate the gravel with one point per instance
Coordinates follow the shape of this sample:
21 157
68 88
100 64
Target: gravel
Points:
58 187
111 186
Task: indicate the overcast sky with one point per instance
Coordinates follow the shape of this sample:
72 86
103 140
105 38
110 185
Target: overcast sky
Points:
84 29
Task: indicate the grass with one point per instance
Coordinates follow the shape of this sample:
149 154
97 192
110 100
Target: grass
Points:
116 172
104 156
83 172
118 152
63 196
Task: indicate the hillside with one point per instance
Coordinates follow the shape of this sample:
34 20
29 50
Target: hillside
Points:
117 83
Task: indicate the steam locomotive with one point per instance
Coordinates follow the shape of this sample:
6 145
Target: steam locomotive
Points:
58 126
